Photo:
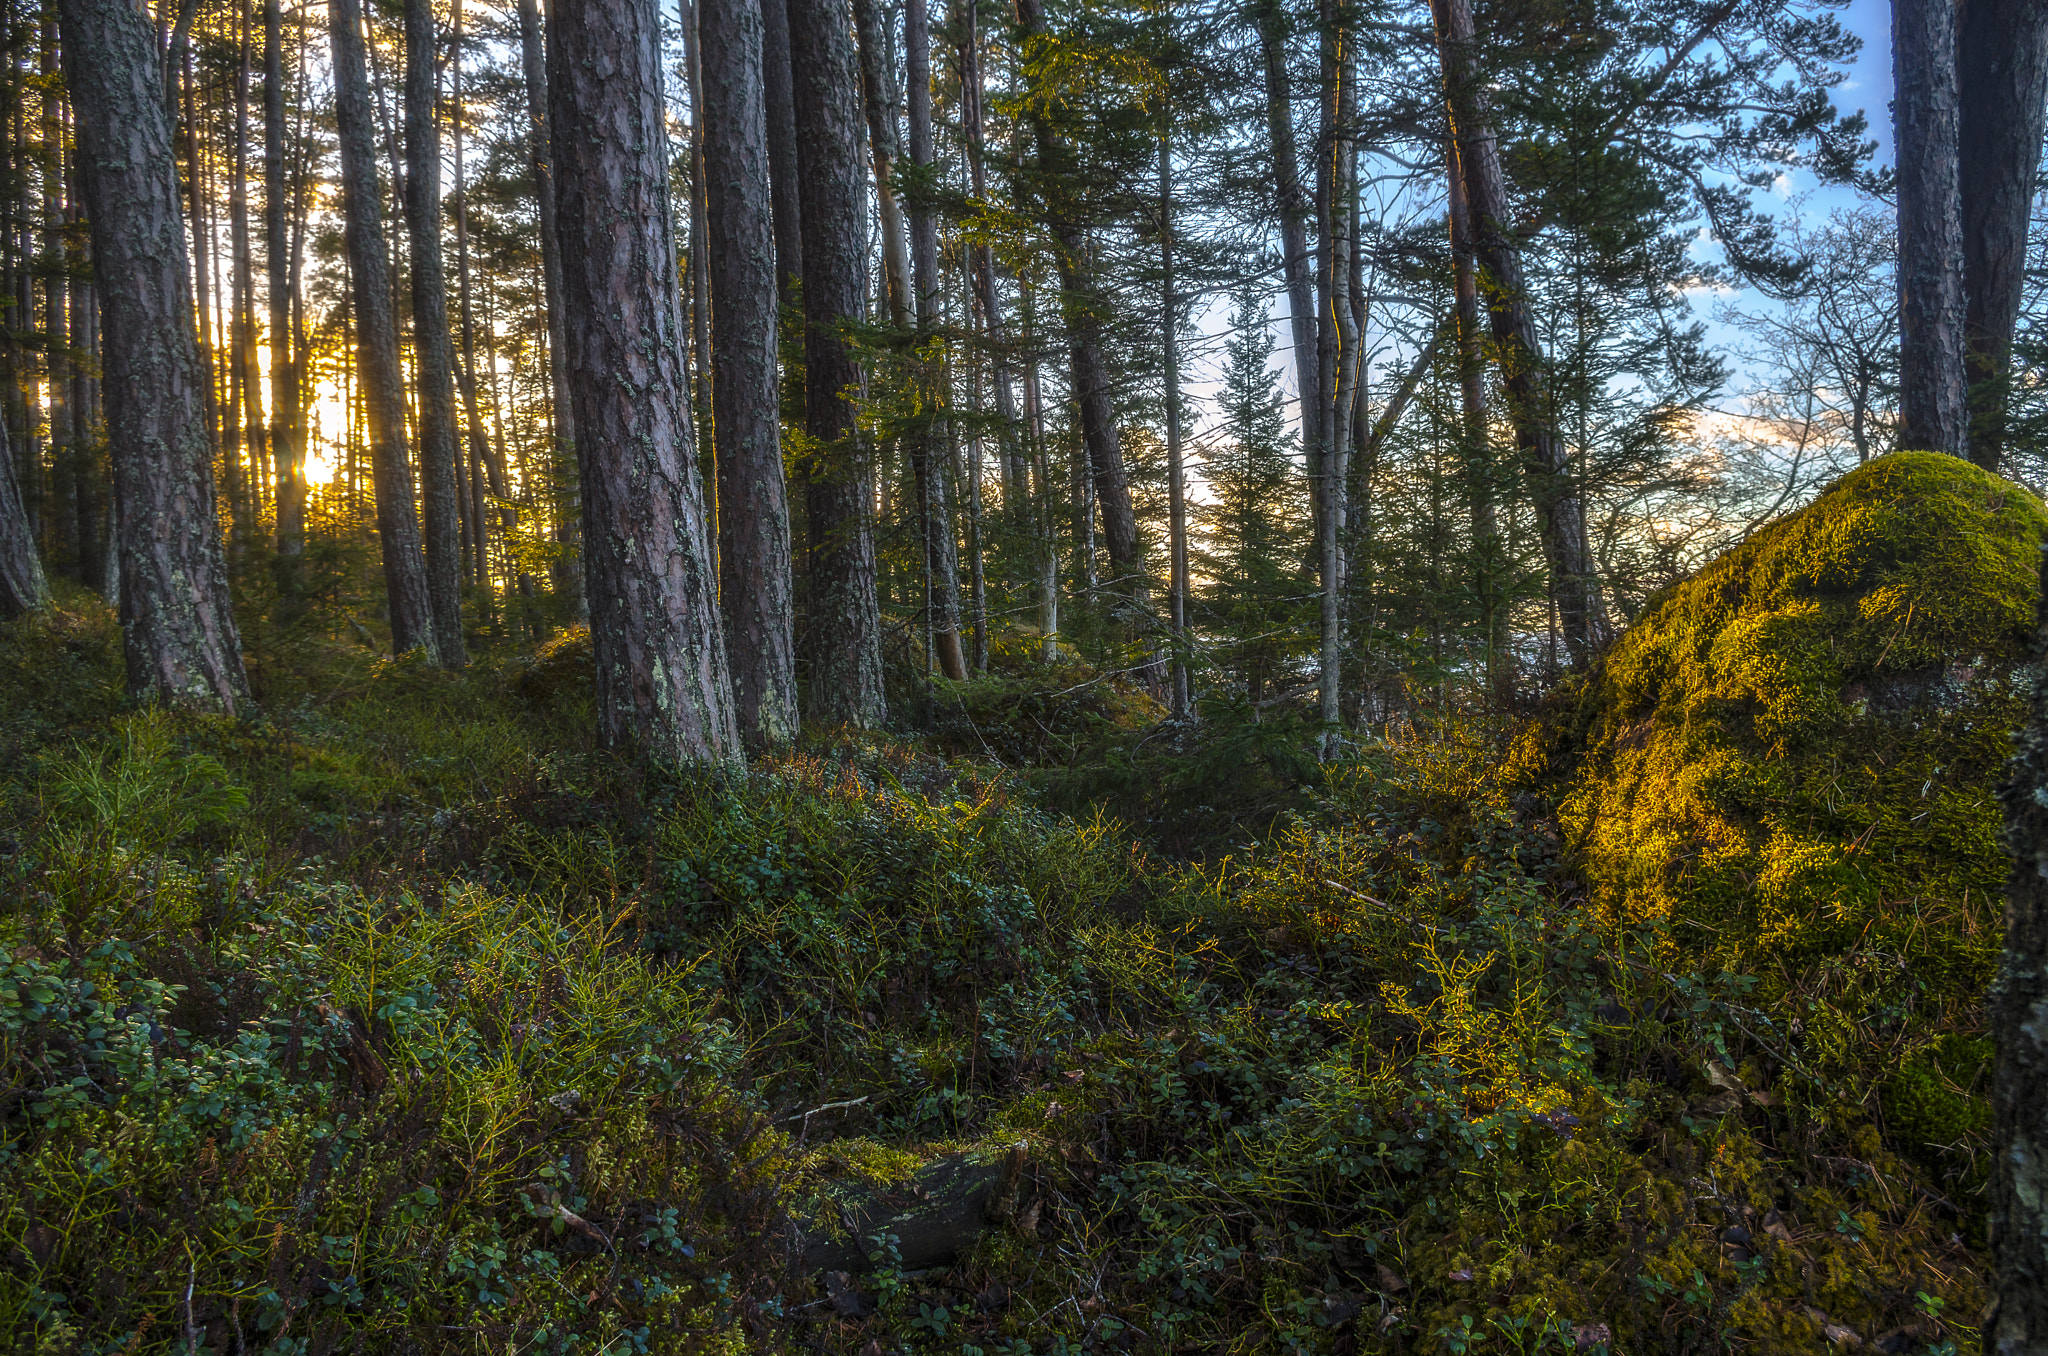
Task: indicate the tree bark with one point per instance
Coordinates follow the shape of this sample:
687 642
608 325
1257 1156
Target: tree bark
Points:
1179 693
783 189
1293 208
662 676
2002 53
1047 492
433 348
701 402
935 507
753 499
23 586
1489 552
398 529
844 628
1546 466
56 307
1933 409
479 438
535 56
2018 1324
1336 351
288 434
178 623
248 360
878 88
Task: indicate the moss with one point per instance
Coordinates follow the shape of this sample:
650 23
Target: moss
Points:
1786 768
1936 1099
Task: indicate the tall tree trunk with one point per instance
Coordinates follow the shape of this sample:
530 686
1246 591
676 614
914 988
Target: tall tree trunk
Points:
288 434
248 361
433 350
479 439
988 300
935 507
1180 696
1047 496
56 308
2018 1324
2002 51
535 59
701 401
878 88
783 188
662 677
1336 348
1560 506
753 499
23 587
1293 207
844 629
1933 410
1085 307
178 622
398 530
1487 548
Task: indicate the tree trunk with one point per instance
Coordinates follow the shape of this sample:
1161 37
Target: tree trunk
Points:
479 438
1047 492
1546 466
662 677
1084 307
935 507
783 189
178 622
2002 48
1933 410
433 349
1336 351
288 434
1293 207
701 401
535 54
753 499
844 629
248 360
878 87
23 587
1489 553
398 529
2018 1324
1180 696
56 308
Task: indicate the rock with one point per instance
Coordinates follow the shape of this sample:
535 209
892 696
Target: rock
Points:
934 1216
1810 728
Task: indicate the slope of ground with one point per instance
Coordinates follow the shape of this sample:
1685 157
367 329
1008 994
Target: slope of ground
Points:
401 1020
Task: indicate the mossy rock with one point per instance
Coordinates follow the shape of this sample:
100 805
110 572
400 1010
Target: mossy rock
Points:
561 669
1787 765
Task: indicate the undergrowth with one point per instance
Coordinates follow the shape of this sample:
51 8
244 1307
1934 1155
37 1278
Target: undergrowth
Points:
400 1018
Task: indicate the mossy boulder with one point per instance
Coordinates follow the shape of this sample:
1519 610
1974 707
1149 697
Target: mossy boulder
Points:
1786 767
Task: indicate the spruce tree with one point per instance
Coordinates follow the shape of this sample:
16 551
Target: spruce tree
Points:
1252 539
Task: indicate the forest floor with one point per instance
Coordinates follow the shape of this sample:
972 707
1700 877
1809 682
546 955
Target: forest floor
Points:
398 1017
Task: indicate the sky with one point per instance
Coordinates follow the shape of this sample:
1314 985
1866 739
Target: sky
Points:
1867 88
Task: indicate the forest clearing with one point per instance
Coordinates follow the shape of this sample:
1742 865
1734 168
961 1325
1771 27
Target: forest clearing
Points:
844 676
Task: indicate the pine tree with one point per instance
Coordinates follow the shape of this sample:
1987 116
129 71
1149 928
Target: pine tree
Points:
1252 539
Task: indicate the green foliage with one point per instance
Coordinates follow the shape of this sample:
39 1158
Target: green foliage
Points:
404 1020
1256 596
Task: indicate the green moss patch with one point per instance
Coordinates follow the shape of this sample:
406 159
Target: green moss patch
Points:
1786 768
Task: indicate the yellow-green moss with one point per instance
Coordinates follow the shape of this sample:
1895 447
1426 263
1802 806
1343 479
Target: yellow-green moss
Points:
1789 762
